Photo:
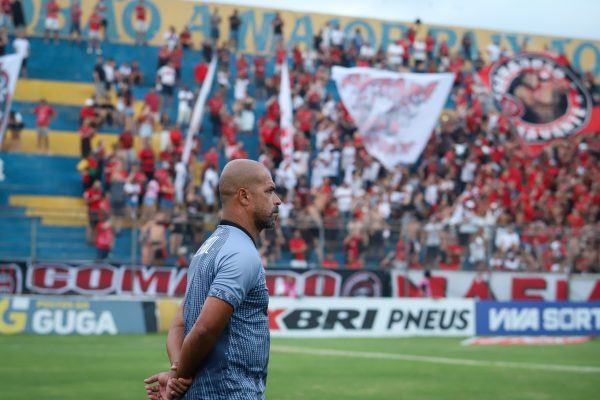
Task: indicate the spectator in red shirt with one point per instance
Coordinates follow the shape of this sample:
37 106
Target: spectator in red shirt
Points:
152 101
88 112
86 133
429 46
141 24
260 75
105 239
94 25
298 249
575 219
211 158
239 152
216 105
44 114
93 198
330 262
200 71
147 160
166 194
185 38
126 144
51 23
353 244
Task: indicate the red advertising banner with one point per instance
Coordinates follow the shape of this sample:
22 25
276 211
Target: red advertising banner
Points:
105 279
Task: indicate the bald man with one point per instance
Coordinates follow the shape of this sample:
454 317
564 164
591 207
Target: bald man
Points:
218 343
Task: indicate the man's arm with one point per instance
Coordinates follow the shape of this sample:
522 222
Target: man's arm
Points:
156 385
213 318
175 337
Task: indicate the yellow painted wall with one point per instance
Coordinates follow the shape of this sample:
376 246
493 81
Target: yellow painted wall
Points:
299 28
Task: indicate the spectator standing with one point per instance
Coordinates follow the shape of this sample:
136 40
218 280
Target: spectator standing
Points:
185 38
184 107
337 37
126 144
298 249
137 76
153 238
147 160
94 25
234 28
99 75
5 10
170 38
86 134
118 197
467 46
493 51
102 9
51 22
200 71
3 41
93 198
215 23
166 76
277 25
110 74
18 15
141 23
75 18
216 105
44 114
15 126
22 47
105 239
152 102
209 188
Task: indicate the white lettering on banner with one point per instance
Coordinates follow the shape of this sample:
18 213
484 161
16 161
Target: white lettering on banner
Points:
67 322
514 319
103 279
395 112
568 318
378 317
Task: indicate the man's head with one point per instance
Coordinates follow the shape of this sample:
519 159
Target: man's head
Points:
248 194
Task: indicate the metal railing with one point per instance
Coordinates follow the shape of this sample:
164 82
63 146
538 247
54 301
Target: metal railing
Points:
344 242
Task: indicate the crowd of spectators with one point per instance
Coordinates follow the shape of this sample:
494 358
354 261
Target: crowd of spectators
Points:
476 199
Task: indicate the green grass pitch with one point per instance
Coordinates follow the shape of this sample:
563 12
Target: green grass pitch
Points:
109 367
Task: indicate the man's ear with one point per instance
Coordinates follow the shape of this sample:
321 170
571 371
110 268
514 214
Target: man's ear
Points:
244 196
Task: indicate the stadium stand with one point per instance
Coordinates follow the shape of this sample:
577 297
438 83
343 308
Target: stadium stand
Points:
475 199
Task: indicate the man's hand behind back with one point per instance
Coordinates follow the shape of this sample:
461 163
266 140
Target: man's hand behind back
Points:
164 386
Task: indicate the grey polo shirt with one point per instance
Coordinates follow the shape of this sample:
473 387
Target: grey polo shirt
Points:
227 266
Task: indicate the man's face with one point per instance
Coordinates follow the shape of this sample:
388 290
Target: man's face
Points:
265 202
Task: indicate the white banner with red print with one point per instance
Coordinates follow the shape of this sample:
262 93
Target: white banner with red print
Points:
394 112
501 286
286 120
542 97
9 73
198 111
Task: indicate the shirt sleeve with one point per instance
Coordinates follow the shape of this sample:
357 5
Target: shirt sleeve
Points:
237 274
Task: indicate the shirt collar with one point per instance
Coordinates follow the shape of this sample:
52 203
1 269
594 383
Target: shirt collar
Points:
231 223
